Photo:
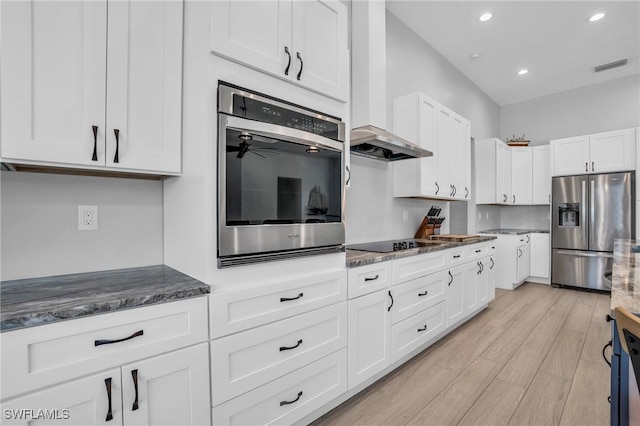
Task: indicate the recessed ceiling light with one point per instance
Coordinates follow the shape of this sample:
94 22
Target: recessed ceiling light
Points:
596 17
475 55
523 71
485 17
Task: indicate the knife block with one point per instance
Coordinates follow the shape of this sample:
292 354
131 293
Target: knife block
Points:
425 229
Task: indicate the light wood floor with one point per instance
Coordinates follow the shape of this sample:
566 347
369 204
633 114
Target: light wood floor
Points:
533 357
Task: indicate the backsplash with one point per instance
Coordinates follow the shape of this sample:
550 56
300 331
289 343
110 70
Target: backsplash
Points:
517 217
39 226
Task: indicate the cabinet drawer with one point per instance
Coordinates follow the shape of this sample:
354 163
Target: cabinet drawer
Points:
369 278
456 257
416 331
476 252
414 267
40 356
244 361
310 387
417 295
252 307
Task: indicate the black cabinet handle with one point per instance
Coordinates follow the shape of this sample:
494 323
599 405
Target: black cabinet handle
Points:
455 190
456 256
134 375
348 176
108 342
603 352
372 279
117 133
451 276
514 198
287 299
586 167
288 348
94 157
593 168
466 192
286 70
528 239
301 65
492 264
291 402
519 253
107 382
481 267
450 190
609 318
478 251
422 328
423 294
391 296
504 198
437 188
478 265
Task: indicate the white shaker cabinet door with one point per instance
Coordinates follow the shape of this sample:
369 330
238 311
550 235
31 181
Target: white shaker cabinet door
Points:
521 175
170 389
540 256
454 292
320 54
541 175
503 173
53 81
612 151
144 97
90 401
369 335
255 33
570 156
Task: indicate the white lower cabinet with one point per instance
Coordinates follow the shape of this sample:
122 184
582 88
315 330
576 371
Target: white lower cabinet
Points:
244 361
455 295
524 262
483 281
540 256
290 397
417 330
369 335
470 286
166 389
416 295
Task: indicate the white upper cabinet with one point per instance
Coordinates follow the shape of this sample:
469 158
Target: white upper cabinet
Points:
301 41
53 75
446 174
521 175
492 161
73 72
144 85
541 175
598 153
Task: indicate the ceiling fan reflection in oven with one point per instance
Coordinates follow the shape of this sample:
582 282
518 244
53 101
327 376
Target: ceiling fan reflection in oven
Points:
280 179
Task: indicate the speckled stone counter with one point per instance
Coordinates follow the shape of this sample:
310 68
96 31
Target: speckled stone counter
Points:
357 258
625 280
30 302
510 231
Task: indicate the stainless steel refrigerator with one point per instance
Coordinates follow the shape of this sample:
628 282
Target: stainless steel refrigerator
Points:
588 213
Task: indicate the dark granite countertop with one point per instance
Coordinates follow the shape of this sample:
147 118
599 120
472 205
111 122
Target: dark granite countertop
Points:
357 258
510 231
36 301
625 280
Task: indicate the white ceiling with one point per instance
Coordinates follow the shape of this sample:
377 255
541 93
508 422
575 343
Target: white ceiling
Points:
552 39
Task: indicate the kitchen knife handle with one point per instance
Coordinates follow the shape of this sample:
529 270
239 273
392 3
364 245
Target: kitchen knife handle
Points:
94 157
286 70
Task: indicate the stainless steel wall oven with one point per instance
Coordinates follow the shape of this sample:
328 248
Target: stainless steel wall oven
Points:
280 179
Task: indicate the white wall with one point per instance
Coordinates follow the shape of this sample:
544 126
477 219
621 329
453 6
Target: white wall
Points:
39 226
598 108
413 65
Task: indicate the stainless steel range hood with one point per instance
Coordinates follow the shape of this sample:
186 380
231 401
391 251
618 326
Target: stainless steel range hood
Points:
372 142
369 87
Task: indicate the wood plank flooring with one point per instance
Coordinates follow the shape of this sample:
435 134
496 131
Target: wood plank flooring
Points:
533 357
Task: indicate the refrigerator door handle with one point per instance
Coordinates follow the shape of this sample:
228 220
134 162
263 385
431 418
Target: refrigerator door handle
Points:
585 253
592 210
585 223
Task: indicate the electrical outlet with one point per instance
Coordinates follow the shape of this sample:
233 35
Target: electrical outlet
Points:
87 218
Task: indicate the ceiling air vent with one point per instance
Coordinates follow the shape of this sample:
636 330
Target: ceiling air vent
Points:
610 65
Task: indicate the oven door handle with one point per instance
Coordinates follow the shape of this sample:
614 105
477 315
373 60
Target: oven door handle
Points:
280 132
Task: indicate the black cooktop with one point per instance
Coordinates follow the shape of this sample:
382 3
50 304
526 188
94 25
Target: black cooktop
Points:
388 246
